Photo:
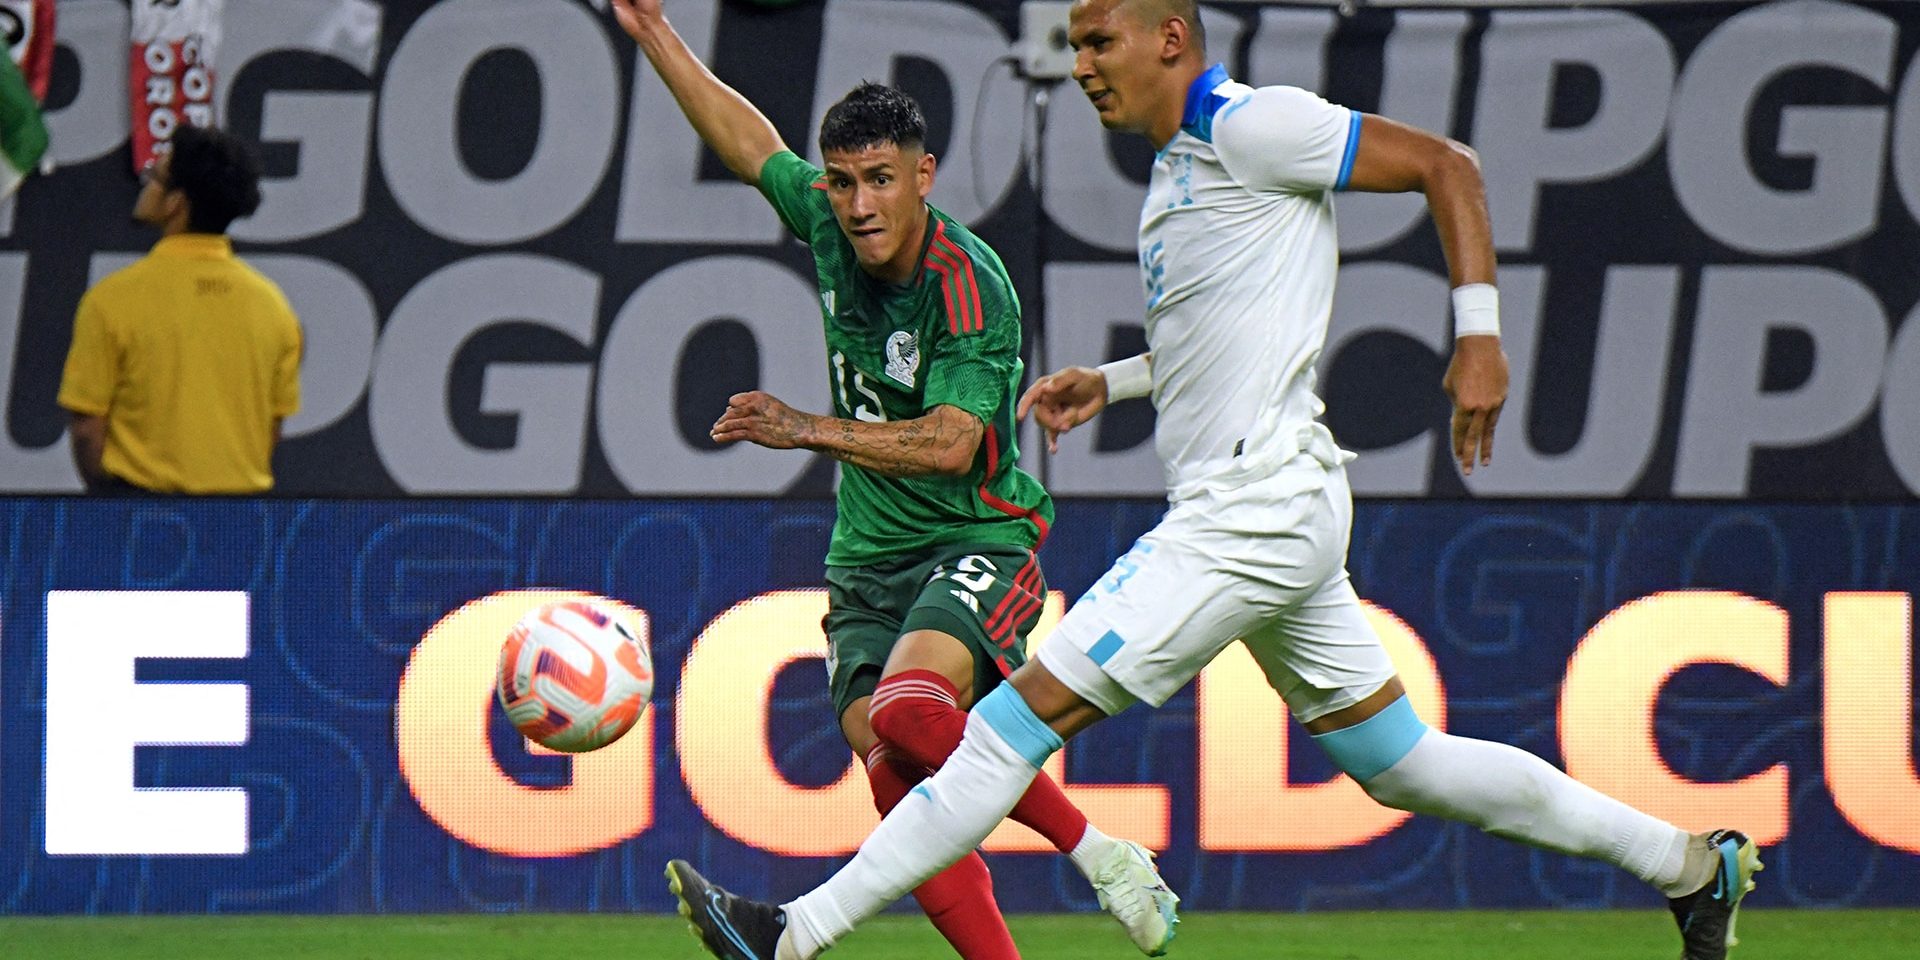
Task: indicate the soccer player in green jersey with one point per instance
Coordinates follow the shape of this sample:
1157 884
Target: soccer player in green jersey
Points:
1239 255
932 580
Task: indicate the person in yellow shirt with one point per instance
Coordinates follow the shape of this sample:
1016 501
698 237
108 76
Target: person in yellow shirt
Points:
184 364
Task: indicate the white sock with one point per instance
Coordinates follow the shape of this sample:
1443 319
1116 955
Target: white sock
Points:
946 816
1090 851
1511 793
1693 867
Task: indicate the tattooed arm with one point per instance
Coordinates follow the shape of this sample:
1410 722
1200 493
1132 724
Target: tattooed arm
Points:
941 443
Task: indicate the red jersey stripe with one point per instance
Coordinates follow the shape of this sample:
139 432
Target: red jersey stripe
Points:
1025 513
968 289
1025 605
946 288
1009 631
1020 585
972 286
953 286
1028 514
1026 587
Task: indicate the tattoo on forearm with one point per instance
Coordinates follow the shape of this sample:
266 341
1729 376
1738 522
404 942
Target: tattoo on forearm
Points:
794 423
901 449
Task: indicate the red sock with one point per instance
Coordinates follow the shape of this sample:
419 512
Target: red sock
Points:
915 712
959 900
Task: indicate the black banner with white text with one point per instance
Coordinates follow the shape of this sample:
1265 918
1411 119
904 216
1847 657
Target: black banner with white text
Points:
520 274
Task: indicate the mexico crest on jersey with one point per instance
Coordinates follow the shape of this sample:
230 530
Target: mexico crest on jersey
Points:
903 357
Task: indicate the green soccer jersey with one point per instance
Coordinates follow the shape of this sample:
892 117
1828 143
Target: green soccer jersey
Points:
950 335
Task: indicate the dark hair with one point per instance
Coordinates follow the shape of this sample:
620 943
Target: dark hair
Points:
1153 12
873 113
1189 10
219 173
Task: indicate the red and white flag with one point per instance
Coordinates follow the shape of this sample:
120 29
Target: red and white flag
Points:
172 70
28 27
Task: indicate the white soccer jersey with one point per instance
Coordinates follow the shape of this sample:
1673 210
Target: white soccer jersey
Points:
1237 245
1238 255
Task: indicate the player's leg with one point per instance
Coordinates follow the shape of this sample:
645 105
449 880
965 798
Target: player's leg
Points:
1162 612
967 627
1324 658
959 900
1511 793
1147 628
920 710
963 634
1370 731
945 817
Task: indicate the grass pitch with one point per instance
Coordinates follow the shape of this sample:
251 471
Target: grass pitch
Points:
1481 935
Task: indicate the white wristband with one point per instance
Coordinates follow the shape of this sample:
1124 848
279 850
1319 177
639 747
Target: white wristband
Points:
1476 310
1132 377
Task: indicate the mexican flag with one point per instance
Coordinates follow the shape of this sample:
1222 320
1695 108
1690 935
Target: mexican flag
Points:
28 28
23 137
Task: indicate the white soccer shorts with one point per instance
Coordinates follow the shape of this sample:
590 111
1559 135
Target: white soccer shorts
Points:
1264 563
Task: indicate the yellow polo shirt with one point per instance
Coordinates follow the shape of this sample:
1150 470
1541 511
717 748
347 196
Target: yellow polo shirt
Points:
191 355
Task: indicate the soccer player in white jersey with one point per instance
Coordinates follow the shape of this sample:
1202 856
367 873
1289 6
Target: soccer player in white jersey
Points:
1239 255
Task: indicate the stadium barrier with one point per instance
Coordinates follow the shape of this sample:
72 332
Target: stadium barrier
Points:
282 705
519 273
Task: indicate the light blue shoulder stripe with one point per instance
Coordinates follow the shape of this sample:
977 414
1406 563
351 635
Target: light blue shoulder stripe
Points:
1245 99
1015 722
1353 147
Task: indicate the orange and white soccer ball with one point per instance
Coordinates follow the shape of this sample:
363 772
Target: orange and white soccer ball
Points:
574 676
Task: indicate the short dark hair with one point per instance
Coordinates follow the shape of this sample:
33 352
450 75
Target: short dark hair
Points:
1155 11
873 113
219 173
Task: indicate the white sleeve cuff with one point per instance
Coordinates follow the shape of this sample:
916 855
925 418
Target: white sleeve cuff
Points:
1129 378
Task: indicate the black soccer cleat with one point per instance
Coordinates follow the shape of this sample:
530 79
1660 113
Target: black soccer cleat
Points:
1706 915
730 927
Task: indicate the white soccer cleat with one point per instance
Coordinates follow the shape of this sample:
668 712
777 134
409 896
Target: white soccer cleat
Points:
1129 887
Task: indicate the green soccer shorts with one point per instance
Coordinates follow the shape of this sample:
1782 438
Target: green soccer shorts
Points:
987 595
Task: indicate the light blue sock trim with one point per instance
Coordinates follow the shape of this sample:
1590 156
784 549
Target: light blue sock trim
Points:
1368 748
1014 721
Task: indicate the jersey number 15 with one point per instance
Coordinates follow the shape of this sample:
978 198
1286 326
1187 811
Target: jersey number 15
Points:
859 382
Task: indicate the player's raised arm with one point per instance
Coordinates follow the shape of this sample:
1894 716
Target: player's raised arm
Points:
736 130
1396 158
